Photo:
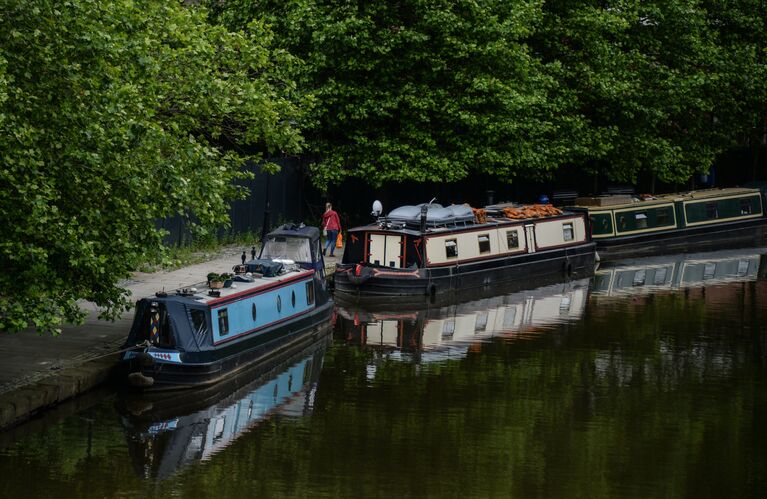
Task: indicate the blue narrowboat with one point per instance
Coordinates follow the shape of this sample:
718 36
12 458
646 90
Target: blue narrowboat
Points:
624 226
200 335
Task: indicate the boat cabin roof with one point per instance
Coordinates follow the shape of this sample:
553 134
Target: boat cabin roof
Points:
407 219
618 201
198 293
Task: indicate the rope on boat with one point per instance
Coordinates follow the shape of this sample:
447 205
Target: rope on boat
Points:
144 344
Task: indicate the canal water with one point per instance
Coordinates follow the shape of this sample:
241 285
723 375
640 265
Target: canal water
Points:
647 380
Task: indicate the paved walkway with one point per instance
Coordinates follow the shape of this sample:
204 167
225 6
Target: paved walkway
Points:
41 370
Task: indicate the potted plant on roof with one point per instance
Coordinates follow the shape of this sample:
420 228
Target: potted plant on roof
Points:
215 281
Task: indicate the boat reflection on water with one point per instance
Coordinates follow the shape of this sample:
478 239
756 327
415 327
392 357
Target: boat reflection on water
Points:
437 333
167 431
648 275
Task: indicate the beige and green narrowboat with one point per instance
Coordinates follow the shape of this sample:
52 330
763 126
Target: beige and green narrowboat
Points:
628 226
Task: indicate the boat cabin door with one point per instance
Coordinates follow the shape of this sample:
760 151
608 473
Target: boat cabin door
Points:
385 250
530 237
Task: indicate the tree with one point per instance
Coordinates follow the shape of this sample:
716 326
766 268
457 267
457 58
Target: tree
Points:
423 90
664 92
114 115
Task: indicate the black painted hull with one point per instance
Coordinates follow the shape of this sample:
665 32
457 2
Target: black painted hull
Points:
575 261
743 234
219 364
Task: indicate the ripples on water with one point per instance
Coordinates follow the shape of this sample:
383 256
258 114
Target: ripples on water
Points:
647 380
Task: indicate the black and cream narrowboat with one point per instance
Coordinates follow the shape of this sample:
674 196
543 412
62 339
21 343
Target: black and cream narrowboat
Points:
430 249
627 226
198 336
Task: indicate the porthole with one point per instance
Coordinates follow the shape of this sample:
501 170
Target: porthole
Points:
293 298
253 312
279 303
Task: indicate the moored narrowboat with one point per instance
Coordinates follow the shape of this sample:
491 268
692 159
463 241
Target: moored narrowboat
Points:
201 335
627 226
430 249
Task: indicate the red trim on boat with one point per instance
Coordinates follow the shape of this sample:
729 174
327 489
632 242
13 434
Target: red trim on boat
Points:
259 290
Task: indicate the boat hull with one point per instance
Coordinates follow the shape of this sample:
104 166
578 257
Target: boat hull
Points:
740 234
212 366
575 261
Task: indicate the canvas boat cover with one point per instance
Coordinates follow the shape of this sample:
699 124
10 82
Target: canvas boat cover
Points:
436 214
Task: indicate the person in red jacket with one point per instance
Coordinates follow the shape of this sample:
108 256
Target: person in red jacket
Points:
332 224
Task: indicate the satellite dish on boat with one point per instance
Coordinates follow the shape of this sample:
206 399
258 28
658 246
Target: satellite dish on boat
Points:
377 208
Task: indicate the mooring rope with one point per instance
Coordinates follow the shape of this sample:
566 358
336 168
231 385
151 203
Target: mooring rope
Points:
144 344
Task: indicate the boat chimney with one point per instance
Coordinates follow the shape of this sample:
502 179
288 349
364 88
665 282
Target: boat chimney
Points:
490 197
424 210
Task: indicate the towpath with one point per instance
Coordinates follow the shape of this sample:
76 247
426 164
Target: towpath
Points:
40 371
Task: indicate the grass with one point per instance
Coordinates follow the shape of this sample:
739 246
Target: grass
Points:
201 250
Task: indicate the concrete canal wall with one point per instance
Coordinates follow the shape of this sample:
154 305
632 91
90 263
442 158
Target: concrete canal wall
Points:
40 371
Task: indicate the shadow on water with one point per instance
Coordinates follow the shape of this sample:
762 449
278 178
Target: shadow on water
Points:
653 274
168 431
449 329
416 329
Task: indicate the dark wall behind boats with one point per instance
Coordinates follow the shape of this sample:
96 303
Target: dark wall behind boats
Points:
287 190
293 198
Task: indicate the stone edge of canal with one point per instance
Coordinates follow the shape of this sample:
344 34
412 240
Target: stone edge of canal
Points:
29 399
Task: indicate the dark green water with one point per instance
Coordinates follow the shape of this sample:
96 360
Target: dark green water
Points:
641 382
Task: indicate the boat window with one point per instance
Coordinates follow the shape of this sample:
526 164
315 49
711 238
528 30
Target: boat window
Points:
662 216
297 249
484 243
601 223
709 270
199 323
218 428
509 317
448 328
293 299
279 303
567 232
745 206
481 323
310 292
512 239
639 278
711 211
451 248
742 267
660 276
641 219
223 322
253 312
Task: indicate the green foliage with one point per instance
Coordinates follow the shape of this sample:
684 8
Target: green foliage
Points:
434 91
655 79
424 91
113 115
